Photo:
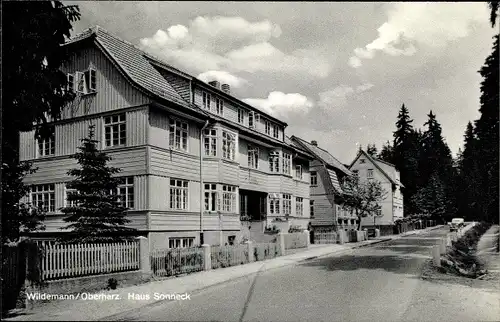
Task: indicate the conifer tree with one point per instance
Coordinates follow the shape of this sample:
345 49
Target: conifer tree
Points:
387 153
95 211
371 149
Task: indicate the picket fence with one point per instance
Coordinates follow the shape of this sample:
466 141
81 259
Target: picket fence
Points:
325 237
263 251
296 240
230 255
59 261
170 262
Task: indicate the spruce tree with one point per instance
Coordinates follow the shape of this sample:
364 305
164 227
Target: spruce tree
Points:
405 157
487 134
431 199
94 211
387 153
371 149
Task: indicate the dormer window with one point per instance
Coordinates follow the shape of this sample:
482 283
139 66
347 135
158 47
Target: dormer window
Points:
253 119
83 82
206 98
219 106
268 128
275 131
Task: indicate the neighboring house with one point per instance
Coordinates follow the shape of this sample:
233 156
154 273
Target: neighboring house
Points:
327 175
370 168
162 127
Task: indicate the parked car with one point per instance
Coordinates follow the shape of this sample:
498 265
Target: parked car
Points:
456 224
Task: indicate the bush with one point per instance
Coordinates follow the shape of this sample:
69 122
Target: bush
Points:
295 229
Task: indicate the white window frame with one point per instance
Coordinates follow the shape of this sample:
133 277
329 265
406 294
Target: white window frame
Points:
251 119
287 204
314 178
180 242
211 197
219 106
229 194
299 206
47 146
206 100
91 80
253 157
126 192
178 134
241 116
268 128
117 126
287 163
179 194
43 196
298 172
276 132
228 145
369 173
274 206
81 85
274 162
67 203
210 142
71 82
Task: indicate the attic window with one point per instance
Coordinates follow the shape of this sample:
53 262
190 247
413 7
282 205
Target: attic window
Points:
83 82
362 161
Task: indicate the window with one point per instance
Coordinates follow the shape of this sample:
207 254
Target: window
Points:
229 198
268 128
274 206
183 242
274 161
210 141
44 197
253 157
369 174
251 120
231 239
275 131
286 163
115 130
178 194
287 204
206 100
243 205
125 191
72 203
81 86
71 82
178 135
47 146
241 116
314 178
90 79
299 206
298 172
211 203
311 208
355 172
362 160
228 145
219 106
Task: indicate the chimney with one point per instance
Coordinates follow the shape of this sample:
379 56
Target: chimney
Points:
226 88
315 143
214 83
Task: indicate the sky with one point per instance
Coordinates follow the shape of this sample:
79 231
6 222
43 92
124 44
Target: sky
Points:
336 72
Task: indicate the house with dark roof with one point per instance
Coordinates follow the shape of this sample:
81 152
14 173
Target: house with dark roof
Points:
196 161
327 174
370 168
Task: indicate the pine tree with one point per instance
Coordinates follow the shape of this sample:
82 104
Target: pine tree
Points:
95 212
387 153
405 157
487 134
431 199
371 149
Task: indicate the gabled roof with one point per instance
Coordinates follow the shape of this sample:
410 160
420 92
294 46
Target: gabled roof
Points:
296 147
375 162
321 154
133 64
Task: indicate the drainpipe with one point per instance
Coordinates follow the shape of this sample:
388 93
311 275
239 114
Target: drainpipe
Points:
202 241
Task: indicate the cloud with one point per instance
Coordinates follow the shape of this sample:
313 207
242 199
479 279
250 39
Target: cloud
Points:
223 77
338 96
428 24
280 104
233 44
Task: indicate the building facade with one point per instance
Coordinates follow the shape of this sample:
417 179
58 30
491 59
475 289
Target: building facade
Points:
370 168
327 175
192 157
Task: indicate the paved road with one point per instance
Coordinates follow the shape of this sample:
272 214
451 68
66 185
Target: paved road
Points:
379 283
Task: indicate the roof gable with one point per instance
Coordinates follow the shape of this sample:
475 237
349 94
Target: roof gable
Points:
322 155
375 163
